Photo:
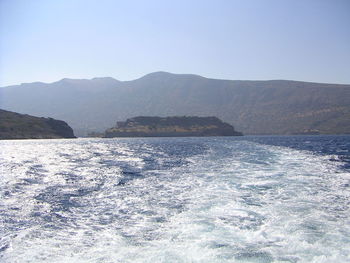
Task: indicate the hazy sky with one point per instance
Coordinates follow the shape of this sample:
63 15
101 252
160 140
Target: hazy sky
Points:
46 40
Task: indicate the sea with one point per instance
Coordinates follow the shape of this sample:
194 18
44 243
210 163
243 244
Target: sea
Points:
207 199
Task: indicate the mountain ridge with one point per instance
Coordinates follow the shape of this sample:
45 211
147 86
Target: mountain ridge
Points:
174 74
253 106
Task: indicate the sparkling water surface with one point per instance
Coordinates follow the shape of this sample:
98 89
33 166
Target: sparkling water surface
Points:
218 199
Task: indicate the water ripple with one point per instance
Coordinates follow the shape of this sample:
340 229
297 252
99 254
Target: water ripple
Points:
173 200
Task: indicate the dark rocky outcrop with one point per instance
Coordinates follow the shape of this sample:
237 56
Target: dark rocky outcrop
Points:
22 126
171 127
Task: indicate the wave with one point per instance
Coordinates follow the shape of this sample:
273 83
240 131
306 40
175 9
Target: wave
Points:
171 200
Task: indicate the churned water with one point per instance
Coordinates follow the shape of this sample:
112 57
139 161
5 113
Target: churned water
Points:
246 199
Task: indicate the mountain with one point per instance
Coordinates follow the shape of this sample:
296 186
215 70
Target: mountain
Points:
22 126
176 126
253 107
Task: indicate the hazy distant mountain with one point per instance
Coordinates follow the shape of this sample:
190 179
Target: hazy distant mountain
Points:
253 107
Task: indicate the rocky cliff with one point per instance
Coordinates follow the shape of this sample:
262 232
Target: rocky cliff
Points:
171 127
21 126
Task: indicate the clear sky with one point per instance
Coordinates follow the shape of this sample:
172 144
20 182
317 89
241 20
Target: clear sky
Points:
47 40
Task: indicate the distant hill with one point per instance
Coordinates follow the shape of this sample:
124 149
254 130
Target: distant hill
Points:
253 107
22 126
144 126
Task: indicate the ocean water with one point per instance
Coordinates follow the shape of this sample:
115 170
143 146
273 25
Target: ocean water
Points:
233 199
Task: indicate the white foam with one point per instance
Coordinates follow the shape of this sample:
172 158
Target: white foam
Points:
237 202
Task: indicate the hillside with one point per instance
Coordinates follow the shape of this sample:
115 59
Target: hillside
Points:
253 107
22 126
171 127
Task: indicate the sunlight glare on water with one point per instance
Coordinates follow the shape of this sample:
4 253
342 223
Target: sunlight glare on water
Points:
171 200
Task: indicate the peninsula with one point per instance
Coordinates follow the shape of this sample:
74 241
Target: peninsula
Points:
22 126
176 126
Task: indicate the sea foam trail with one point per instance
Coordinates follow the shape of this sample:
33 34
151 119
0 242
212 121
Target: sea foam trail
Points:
171 200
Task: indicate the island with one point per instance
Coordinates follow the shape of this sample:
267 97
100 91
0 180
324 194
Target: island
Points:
177 126
22 126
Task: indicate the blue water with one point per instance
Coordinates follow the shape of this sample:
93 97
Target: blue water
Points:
218 199
336 147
